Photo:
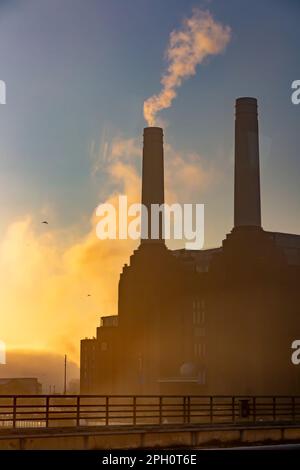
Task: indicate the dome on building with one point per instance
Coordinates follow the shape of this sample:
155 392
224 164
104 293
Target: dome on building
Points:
188 369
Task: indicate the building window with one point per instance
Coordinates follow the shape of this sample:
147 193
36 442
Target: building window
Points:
202 377
199 349
103 346
198 318
198 311
199 332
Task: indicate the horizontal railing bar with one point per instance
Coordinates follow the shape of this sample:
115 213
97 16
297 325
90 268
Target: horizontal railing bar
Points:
63 397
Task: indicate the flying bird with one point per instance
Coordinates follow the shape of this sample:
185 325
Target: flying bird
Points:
45 222
89 295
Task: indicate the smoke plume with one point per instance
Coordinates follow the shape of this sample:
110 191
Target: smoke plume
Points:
57 282
199 37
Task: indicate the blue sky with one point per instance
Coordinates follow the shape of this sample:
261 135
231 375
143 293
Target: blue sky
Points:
76 69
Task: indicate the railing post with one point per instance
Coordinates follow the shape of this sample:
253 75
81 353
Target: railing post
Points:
254 409
274 408
233 409
211 411
293 408
106 411
160 409
78 410
14 411
47 411
134 410
189 410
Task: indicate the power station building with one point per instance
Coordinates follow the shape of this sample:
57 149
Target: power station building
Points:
217 321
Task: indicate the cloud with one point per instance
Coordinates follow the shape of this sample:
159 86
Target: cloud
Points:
199 37
47 274
187 176
46 366
126 149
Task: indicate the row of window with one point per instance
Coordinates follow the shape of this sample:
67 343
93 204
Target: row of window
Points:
202 377
198 304
199 349
198 318
198 315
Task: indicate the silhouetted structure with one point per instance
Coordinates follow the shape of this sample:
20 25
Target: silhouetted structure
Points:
20 386
218 321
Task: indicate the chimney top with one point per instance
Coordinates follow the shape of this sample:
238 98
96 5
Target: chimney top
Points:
153 129
155 134
246 105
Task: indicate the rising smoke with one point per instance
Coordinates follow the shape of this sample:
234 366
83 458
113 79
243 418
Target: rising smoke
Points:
199 37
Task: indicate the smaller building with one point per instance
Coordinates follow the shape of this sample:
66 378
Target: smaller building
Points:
88 357
97 358
20 386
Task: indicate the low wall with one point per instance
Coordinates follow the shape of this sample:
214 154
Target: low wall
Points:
93 439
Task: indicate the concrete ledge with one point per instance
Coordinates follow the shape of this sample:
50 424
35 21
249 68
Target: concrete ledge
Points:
10 444
218 436
117 441
291 434
53 443
167 439
143 437
261 435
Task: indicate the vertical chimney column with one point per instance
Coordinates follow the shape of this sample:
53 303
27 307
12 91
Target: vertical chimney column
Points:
247 210
153 176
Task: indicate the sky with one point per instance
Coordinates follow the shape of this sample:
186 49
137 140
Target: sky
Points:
77 74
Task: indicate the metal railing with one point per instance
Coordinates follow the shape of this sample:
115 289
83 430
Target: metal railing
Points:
45 411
